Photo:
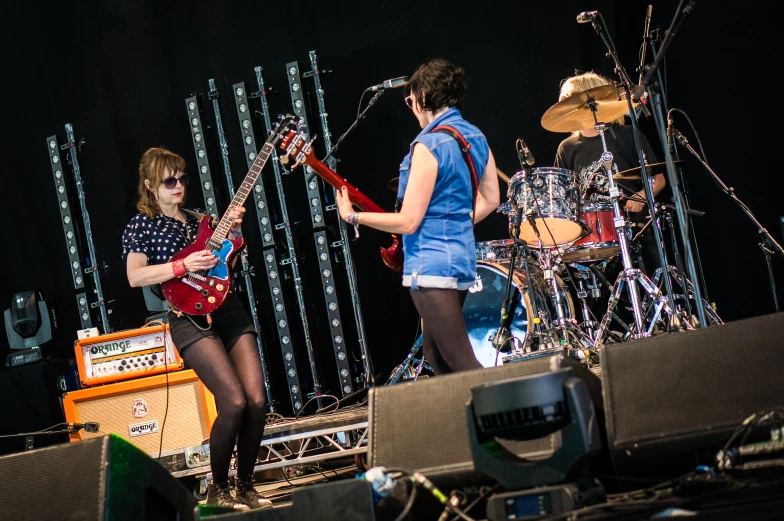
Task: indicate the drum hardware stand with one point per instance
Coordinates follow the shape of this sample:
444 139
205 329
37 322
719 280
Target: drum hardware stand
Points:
688 293
629 274
768 245
566 326
626 82
411 366
503 334
648 82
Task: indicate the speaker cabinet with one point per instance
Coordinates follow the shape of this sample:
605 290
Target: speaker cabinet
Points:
135 409
672 401
421 426
103 479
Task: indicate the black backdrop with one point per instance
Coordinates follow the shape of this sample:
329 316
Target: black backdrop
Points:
119 71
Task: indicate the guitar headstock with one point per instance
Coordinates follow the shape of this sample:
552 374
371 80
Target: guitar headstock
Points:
298 148
285 124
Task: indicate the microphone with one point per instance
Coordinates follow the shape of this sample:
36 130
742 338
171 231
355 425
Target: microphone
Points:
586 16
669 134
394 83
87 426
532 222
524 155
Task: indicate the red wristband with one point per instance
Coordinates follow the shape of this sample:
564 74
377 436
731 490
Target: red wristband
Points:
178 267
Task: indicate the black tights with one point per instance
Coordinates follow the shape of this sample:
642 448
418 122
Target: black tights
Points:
444 335
236 381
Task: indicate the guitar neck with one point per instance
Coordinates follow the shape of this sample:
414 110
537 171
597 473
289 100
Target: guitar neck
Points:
243 192
331 177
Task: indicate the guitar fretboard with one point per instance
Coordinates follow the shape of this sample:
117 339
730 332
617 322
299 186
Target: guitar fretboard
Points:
222 230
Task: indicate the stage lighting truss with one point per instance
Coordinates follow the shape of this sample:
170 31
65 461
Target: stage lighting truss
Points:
282 327
69 231
344 243
241 101
298 104
322 243
247 270
333 313
193 107
66 219
271 260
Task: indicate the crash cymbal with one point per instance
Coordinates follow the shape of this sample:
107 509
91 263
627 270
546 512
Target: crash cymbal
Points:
392 184
652 168
573 113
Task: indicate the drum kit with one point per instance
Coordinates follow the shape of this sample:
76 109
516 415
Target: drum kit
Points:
562 244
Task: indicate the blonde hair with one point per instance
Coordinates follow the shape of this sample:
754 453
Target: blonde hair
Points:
585 81
152 166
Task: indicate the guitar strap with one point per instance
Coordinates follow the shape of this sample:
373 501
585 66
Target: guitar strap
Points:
465 148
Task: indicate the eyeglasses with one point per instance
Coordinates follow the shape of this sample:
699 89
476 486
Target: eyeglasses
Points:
409 101
171 182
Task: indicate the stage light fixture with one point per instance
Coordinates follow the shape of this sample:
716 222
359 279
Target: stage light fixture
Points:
533 407
193 106
333 311
29 324
281 318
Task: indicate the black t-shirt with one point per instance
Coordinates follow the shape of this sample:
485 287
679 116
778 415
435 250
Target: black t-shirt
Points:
581 155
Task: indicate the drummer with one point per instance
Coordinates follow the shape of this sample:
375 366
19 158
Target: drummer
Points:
581 151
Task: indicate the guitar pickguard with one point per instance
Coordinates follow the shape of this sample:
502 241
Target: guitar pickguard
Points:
221 269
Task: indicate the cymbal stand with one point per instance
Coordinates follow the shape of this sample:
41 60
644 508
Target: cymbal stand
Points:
626 82
629 276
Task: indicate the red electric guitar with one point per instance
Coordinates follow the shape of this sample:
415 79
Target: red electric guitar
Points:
201 293
300 151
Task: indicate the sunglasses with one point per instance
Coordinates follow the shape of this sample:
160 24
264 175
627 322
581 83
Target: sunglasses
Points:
409 101
171 182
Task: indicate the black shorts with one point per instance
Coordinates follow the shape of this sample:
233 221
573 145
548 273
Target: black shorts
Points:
229 322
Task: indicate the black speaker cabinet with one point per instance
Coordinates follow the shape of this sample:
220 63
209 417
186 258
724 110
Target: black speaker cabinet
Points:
102 479
421 426
672 401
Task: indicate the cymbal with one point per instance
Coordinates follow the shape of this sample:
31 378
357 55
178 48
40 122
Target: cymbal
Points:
652 168
573 113
392 184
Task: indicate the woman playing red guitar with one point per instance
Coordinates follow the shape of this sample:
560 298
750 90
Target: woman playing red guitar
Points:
224 353
436 217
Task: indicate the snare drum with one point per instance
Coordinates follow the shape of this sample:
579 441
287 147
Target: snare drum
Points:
552 196
602 242
494 250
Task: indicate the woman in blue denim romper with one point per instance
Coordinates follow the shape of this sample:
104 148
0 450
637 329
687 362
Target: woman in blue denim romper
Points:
438 213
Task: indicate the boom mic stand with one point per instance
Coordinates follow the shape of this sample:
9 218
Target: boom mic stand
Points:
648 82
626 81
769 246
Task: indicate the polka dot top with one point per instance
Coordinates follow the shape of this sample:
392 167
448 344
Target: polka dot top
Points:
160 237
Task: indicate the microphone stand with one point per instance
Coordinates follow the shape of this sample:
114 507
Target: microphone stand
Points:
648 82
649 195
335 147
769 246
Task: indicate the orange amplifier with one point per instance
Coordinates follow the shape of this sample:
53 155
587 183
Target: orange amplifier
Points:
127 354
176 406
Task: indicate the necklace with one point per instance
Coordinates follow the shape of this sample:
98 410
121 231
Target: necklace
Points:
176 225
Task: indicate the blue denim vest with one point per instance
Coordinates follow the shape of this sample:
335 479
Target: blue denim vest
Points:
440 253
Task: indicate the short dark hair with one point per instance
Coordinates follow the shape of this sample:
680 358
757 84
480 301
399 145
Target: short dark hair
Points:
440 83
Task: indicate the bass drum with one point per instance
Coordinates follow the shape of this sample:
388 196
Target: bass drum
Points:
482 307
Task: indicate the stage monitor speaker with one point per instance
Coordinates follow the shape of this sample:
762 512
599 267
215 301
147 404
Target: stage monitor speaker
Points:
421 426
103 479
672 401
175 405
